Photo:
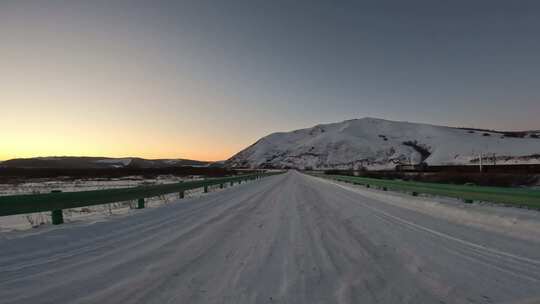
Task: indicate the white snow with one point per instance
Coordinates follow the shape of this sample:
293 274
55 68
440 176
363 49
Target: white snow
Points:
123 161
377 144
90 213
288 238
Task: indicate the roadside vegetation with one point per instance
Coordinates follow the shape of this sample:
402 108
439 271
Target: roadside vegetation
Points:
457 175
523 197
17 175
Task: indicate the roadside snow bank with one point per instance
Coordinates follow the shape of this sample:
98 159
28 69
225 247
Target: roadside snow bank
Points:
515 222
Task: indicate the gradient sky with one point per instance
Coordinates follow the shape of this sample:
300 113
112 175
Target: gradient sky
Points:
203 79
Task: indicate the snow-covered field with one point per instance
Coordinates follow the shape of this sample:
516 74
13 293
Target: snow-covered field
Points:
90 213
71 185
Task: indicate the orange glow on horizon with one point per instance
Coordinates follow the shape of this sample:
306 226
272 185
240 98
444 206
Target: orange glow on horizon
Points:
120 143
44 136
217 156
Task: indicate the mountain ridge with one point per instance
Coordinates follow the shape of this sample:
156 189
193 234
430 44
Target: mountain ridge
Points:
90 162
374 143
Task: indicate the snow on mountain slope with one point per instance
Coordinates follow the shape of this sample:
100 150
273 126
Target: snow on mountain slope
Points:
377 144
115 162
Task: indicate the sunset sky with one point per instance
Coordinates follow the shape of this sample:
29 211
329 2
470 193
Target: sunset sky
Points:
204 79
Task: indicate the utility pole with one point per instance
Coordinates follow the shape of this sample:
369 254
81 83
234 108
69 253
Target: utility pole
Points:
480 161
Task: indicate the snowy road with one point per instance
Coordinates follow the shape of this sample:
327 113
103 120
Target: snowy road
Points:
289 238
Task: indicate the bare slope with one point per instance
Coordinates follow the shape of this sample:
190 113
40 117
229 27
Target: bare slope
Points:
377 143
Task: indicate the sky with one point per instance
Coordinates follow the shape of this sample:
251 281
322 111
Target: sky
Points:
204 79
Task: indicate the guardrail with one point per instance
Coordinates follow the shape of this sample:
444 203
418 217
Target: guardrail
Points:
515 196
56 201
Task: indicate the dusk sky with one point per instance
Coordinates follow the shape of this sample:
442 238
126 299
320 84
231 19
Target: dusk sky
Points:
204 79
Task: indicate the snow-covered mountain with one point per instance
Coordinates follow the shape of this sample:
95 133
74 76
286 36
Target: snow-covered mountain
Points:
380 144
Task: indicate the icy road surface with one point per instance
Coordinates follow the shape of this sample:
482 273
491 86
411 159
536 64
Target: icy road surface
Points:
289 238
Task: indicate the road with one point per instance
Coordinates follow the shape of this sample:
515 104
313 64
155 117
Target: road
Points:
290 238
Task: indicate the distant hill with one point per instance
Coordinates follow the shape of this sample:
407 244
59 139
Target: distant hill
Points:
374 143
70 162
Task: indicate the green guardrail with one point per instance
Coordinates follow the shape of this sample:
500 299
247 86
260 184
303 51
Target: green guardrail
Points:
56 200
515 196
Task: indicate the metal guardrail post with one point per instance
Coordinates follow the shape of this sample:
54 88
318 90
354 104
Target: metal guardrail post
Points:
140 203
55 203
57 216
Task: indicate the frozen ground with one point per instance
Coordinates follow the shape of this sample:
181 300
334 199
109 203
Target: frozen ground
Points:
91 213
289 238
70 185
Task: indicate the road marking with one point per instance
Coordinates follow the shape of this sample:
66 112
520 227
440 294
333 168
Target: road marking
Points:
447 236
